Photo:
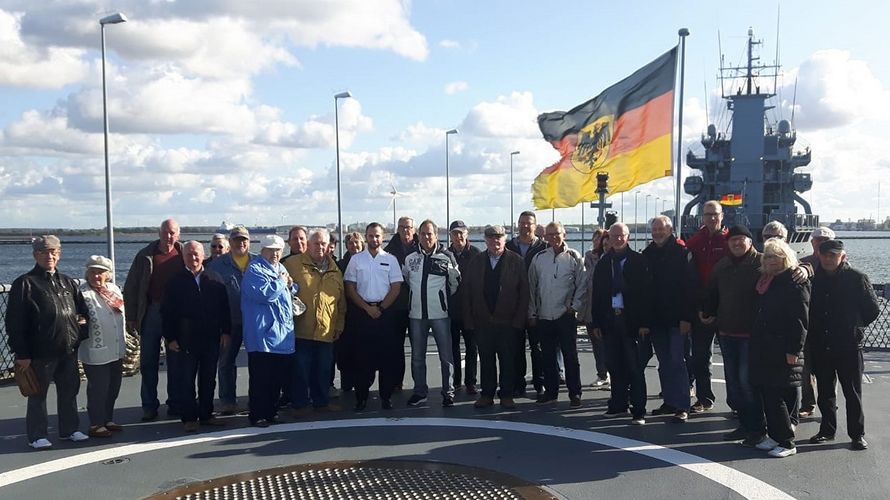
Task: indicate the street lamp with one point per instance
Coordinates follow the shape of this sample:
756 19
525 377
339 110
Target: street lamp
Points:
341 95
514 153
447 179
636 202
112 19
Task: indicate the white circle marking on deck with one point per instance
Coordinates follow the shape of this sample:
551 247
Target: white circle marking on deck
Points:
741 483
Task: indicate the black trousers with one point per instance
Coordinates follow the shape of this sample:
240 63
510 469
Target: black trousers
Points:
521 365
497 346
197 363
778 418
267 371
103 387
374 346
63 371
846 367
560 335
808 384
471 349
702 350
626 358
399 329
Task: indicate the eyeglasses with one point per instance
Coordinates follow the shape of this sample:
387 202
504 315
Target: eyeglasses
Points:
712 214
771 236
216 246
406 227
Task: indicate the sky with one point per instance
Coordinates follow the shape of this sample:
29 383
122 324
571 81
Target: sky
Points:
224 110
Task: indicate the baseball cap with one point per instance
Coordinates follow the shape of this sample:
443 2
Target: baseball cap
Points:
239 232
458 225
272 241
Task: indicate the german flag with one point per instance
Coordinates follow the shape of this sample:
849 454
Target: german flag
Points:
731 199
625 131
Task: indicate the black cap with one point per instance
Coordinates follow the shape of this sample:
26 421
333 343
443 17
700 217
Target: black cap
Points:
831 246
739 230
458 225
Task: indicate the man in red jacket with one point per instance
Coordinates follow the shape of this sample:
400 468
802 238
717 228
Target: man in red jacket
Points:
708 246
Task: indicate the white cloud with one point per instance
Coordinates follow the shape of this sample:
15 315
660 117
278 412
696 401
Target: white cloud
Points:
509 116
449 44
27 65
455 87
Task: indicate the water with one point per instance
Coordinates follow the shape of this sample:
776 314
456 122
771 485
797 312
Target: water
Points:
867 255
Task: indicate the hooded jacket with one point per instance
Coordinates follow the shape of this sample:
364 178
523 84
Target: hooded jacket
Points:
266 309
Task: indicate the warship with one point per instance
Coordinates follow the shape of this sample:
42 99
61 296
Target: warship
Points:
750 166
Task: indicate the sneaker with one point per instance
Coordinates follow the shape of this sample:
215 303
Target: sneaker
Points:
702 406
75 436
806 412
484 402
859 444
600 382
616 413
471 390
664 409
261 423
416 400
638 421
508 404
739 433
190 426
41 444
447 401
680 416
779 452
575 401
767 444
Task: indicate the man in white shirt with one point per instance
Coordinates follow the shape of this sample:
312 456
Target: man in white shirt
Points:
373 279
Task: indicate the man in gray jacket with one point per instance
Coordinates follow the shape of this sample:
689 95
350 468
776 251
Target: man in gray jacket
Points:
555 292
432 277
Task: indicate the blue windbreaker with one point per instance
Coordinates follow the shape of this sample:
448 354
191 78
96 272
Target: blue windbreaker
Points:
266 309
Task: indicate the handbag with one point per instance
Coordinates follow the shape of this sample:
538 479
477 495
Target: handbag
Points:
26 378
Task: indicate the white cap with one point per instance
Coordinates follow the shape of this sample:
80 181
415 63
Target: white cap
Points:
272 241
99 262
823 232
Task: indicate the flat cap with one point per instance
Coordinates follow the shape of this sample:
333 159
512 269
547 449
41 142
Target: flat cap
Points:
46 242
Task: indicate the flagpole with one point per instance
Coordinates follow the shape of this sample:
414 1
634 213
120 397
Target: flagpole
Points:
683 33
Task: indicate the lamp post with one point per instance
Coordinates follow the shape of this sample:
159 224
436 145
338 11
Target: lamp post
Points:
112 19
655 206
341 95
636 202
514 153
447 178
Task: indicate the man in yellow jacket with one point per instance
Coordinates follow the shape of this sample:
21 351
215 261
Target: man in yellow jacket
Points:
321 289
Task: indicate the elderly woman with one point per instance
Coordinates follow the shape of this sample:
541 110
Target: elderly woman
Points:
600 236
103 352
355 243
267 310
777 340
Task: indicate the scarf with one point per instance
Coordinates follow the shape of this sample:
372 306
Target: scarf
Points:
113 299
763 283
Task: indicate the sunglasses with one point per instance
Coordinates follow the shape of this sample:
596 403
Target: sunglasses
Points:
216 246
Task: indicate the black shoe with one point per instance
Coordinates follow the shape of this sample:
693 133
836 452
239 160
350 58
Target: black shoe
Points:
361 404
149 415
519 393
821 438
416 400
753 440
736 435
575 401
859 444
471 389
386 404
447 402
664 409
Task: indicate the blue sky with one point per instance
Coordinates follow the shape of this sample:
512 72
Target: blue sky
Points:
224 110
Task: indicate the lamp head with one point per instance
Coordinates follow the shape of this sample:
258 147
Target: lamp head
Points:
343 95
452 131
514 153
115 18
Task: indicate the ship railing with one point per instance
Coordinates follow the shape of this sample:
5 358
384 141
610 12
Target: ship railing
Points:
877 335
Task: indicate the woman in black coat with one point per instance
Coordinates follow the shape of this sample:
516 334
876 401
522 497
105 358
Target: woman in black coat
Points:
776 360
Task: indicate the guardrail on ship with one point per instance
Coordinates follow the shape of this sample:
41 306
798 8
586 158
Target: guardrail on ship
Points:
877 336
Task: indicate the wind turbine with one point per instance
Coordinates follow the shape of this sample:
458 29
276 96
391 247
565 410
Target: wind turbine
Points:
393 194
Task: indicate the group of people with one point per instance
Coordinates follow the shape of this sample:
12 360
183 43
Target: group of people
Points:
302 316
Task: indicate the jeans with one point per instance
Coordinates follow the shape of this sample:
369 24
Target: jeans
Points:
441 329
702 350
471 353
103 387
599 355
228 369
497 346
63 371
197 363
669 346
313 360
150 336
738 384
520 364
560 335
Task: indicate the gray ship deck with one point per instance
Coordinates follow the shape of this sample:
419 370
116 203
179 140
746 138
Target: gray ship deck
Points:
573 452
